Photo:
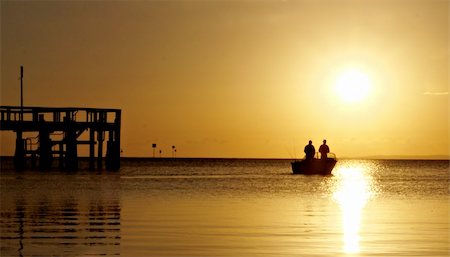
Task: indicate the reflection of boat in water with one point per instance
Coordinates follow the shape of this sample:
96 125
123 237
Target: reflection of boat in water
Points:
314 166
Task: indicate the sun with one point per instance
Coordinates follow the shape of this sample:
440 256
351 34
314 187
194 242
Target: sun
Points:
353 86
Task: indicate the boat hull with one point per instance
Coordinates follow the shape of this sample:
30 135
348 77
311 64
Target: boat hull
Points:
313 167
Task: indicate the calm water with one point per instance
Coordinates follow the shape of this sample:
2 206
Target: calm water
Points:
228 208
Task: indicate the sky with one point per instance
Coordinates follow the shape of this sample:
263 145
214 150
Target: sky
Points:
239 79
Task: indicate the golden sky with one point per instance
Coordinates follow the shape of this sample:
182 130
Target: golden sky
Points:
239 78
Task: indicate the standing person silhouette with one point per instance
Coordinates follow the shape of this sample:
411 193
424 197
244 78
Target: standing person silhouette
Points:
310 151
324 150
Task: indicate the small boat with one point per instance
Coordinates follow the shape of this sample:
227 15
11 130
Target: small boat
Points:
314 166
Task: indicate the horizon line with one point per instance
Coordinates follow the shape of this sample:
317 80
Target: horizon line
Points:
373 157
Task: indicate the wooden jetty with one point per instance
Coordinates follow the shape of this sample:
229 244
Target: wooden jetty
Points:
57 132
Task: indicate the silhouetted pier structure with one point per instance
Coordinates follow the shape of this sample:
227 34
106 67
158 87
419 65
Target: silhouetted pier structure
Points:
59 131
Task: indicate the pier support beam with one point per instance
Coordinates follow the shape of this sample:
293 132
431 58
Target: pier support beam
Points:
45 145
112 161
61 159
100 150
113 146
91 149
70 138
19 155
117 122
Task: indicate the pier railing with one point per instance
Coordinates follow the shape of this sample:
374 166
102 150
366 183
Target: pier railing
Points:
27 119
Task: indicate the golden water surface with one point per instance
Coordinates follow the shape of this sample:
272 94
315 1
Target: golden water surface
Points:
236 209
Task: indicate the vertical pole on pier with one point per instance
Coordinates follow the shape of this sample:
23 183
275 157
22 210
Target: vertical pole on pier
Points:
21 93
112 160
100 141
45 144
70 138
61 155
109 158
91 143
19 155
92 120
91 149
100 149
117 122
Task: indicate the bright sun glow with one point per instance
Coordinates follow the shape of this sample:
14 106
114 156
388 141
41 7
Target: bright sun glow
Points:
353 85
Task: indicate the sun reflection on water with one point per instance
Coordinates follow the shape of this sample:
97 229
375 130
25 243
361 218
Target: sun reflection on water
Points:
354 187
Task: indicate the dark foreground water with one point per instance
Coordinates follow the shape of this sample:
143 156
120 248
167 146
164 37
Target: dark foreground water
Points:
228 208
